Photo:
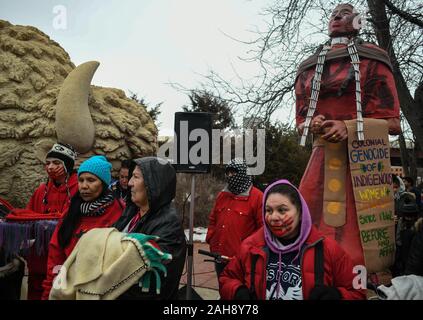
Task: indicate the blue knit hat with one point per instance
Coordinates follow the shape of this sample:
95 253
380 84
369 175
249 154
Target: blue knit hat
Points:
98 166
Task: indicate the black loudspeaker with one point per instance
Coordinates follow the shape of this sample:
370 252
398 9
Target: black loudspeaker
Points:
193 142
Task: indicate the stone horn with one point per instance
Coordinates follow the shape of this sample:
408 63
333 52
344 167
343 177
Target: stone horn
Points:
74 124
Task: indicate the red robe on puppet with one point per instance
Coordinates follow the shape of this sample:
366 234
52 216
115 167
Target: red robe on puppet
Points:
379 101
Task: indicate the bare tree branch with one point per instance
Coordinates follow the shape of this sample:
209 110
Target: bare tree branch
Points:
403 14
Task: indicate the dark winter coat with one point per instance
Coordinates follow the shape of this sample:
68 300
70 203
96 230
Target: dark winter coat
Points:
161 220
415 259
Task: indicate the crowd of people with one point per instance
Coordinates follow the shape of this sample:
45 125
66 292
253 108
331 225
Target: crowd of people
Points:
141 202
273 251
279 243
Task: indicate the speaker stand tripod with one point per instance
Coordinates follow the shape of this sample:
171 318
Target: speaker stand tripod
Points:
190 245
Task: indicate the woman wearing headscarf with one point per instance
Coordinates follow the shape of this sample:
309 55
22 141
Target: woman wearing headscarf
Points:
288 259
236 213
93 206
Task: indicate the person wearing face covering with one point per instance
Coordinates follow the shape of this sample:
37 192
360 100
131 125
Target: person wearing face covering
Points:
62 182
287 258
51 197
236 213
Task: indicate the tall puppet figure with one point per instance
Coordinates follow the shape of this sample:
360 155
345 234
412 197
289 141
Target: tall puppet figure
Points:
339 90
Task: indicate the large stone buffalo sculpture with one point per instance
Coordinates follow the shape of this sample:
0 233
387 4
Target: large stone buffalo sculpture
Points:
44 98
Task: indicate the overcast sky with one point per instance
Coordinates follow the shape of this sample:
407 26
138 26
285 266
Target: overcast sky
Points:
143 45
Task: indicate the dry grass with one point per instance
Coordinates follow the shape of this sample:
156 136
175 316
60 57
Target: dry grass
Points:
206 190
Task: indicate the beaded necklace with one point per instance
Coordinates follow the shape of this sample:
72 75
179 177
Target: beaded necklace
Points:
316 81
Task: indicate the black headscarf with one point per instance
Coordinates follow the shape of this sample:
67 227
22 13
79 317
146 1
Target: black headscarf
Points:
239 182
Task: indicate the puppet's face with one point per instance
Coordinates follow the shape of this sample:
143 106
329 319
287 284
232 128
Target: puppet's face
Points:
341 21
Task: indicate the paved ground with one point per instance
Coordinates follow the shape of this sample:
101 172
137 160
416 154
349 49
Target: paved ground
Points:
204 280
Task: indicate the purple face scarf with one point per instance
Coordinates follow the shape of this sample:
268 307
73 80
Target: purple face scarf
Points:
305 228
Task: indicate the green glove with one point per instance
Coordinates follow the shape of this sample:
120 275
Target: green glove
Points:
153 258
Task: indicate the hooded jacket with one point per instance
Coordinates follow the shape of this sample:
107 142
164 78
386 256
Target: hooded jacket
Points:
337 265
160 220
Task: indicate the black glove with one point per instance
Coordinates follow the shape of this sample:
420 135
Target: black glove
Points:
325 293
242 293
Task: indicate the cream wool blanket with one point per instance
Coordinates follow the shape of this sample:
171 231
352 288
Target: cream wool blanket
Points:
103 265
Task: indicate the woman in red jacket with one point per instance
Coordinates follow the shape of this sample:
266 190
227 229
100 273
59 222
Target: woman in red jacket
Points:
287 259
93 206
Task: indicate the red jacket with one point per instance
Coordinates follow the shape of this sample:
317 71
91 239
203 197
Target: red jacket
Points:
57 197
58 201
338 268
57 255
234 218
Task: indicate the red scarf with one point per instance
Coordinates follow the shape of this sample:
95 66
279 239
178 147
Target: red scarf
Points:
134 221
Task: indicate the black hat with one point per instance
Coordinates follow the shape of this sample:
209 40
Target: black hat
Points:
64 152
407 204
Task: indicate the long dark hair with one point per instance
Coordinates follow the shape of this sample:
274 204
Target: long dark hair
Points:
288 191
71 219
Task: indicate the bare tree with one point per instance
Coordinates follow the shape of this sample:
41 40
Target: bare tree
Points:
297 27
399 30
154 112
409 149
205 101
